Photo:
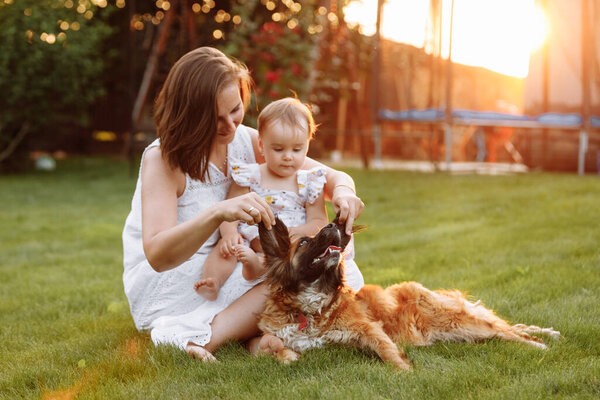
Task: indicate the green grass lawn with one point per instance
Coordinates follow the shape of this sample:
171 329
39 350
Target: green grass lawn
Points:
527 246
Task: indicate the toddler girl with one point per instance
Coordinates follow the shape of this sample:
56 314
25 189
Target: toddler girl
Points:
285 128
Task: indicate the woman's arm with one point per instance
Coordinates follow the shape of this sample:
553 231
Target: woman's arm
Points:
339 188
316 218
168 244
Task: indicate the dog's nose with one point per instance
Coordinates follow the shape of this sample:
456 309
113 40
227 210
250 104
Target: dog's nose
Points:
331 225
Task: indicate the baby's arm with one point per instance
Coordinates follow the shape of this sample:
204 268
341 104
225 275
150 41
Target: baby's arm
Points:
316 218
229 233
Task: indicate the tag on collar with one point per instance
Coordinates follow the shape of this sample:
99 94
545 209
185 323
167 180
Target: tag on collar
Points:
303 322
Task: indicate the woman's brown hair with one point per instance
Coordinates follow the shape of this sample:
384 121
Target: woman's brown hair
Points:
185 111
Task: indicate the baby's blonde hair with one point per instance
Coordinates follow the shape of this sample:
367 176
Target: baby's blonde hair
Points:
291 112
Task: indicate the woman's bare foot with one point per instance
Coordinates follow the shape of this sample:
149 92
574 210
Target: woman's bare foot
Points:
252 345
252 264
207 288
199 353
270 344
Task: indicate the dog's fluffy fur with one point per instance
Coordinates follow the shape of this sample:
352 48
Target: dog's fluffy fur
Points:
309 305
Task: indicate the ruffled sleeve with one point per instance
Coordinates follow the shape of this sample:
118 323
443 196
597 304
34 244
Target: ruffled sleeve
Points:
310 183
247 175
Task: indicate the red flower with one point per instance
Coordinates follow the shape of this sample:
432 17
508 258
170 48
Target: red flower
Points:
272 76
267 57
272 28
273 94
296 69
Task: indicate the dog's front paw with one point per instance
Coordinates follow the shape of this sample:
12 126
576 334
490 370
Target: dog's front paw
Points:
403 365
286 355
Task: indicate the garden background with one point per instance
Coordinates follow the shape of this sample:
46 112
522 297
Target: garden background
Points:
70 75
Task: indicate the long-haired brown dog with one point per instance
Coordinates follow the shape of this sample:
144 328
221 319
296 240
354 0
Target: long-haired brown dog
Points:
309 305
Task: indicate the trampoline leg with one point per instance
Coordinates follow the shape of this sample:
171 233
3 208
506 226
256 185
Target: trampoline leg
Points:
448 145
583 144
377 163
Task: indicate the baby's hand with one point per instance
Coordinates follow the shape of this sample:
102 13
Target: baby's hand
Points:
228 243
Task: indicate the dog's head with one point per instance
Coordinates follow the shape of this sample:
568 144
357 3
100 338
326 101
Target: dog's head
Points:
294 266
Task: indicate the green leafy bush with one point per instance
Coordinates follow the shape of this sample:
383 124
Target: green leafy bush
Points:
50 68
279 46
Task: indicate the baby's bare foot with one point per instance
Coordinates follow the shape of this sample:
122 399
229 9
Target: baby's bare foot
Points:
207 288
199 353
252 265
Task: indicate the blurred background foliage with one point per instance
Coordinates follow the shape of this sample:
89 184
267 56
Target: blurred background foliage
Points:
52 61
279 46
69 68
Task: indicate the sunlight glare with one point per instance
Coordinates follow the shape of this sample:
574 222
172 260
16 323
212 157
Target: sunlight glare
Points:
495 34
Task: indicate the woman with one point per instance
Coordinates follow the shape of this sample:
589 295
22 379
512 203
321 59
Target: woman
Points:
179 203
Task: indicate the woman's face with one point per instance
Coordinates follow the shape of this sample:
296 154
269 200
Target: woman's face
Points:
230 113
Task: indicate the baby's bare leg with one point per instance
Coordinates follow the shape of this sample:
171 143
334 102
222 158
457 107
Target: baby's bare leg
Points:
215 272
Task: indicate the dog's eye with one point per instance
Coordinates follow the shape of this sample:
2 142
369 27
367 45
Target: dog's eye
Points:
302 242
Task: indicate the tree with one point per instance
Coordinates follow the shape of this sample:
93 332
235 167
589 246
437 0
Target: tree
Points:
278 40
50 67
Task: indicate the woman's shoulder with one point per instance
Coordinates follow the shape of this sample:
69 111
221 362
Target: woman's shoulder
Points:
242 149
245 134
154 166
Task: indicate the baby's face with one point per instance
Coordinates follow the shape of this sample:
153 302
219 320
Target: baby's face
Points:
284 148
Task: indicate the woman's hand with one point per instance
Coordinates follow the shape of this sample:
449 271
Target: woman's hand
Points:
349 206
249 208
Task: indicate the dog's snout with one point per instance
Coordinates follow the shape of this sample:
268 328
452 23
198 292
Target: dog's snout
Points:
331 225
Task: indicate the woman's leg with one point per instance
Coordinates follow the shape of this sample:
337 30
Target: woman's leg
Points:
239 321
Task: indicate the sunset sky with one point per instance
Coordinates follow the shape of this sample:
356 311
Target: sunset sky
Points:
495 34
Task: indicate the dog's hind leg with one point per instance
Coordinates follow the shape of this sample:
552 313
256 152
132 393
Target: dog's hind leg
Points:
480 323
452 317
536 330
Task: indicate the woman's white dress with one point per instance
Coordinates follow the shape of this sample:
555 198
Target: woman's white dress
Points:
166 302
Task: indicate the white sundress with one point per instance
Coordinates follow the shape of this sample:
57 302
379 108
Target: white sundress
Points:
290 207
160 302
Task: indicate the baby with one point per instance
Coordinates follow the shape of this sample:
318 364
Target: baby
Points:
285 128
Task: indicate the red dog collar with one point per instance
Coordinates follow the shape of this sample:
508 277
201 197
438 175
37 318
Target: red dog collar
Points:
303 321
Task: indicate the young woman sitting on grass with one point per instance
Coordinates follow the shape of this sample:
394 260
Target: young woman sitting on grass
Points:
180 201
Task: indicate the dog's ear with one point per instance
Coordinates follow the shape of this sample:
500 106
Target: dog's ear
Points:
275 242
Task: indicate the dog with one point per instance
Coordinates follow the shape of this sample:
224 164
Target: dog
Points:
309 305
